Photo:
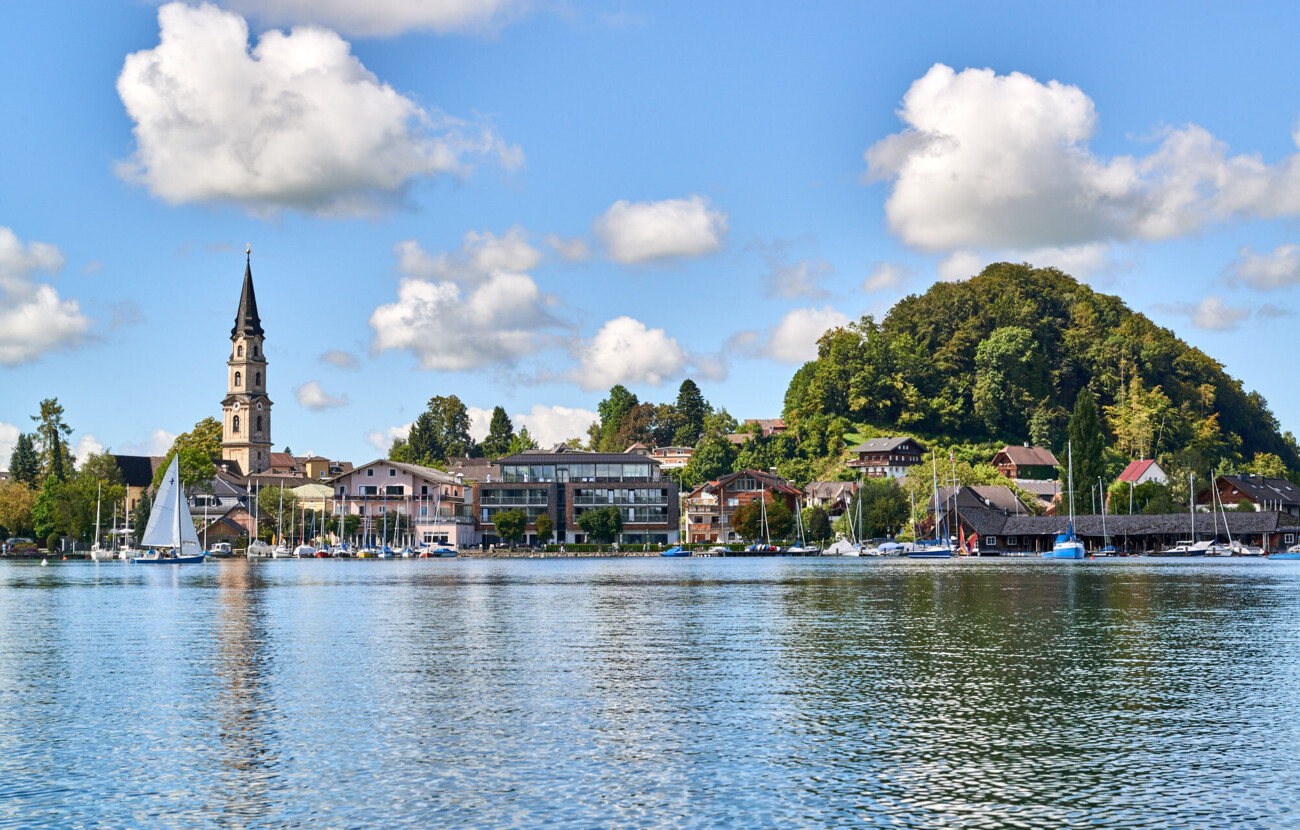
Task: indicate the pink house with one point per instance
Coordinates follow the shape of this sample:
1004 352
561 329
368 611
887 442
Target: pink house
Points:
432 501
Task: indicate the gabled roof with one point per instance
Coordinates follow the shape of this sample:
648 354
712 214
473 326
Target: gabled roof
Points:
772 482
247 323
1262 490
1136 469
427 473
990 497
137 470
832 489
1027 456
885 444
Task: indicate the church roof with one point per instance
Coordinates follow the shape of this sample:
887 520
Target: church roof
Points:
247 323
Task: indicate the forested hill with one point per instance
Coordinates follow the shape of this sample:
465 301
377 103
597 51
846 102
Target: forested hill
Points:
1003 356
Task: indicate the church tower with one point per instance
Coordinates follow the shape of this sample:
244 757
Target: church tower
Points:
246 410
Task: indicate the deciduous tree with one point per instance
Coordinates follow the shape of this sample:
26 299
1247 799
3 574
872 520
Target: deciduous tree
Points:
602 524
510 525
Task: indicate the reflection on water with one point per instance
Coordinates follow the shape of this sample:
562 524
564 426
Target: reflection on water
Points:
649 693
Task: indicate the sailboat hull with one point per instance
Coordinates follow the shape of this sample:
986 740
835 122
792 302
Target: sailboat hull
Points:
175 560
941 553
1069 550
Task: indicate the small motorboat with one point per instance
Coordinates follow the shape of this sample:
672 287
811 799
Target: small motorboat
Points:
676 550
304 552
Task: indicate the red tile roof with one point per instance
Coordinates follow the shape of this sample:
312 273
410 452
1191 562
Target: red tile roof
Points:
1135 469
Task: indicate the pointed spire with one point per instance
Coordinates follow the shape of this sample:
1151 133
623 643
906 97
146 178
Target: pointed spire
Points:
247 323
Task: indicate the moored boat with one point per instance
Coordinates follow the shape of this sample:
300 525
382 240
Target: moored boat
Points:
170 531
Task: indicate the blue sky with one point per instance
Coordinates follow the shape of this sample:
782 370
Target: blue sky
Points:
524 203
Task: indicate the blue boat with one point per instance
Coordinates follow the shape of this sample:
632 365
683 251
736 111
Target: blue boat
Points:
937 549
1067 544
1291 554
676 550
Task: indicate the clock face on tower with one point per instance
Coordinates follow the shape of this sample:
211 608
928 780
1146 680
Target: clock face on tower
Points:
259 406
236 406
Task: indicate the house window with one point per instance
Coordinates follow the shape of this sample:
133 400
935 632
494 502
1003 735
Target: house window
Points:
1289 538
234 425
371 490
395 490
1011 540
392 473
990 540
424 489
238 379
370 473
343 489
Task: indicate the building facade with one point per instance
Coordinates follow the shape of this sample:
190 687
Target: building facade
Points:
710 506
566 483
1258 492
429 502
886 457
1026 462
246 409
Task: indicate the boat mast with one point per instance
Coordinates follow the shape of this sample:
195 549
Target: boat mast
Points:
1191 502
939 519
1070 483
99 494
177 524
1103 515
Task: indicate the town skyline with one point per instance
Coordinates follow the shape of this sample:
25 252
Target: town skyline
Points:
530 237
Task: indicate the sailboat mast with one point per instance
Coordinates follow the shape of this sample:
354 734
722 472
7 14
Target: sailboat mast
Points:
1191 502
1103 514
177 523
1070 481
99 495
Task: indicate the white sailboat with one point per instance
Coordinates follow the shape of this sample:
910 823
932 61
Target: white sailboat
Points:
941 548
170 531
98 553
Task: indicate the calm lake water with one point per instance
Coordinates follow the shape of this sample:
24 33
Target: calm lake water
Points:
650 693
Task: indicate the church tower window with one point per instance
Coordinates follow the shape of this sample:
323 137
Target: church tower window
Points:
235 425
259 423
257 381
238 378
239 351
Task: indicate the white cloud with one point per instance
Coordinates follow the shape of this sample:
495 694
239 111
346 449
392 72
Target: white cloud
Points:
549 425
1002 163
158 443
87 446
801 278
34 320
481 254
382 439
297 122
626 351
386 17
960 265
340 359
886 276
573 249
639 232
794 340
1280 268
8 438
1210 314
311 396
480 421
449 329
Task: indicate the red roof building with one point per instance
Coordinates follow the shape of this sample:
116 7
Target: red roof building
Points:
1140 472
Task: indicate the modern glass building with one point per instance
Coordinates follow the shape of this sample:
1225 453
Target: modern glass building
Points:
564 484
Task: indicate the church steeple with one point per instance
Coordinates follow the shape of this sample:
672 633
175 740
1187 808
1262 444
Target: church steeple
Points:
247 322
246 409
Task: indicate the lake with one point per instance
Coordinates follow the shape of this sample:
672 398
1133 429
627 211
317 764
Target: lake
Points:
650 693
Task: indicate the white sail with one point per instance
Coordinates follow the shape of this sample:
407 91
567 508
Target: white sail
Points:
161 530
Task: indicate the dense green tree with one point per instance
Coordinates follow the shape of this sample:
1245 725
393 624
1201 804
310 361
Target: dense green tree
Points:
52 440
817 524
750 518
1088 446
941 366
690 410
45 519
510 525
196 468
450 421
603 524
24 462
140 516
884 507
522 441
280 515
714 456
613 410
500 433
1266 464
17 499
545 528
402 452
1011 377
663 426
